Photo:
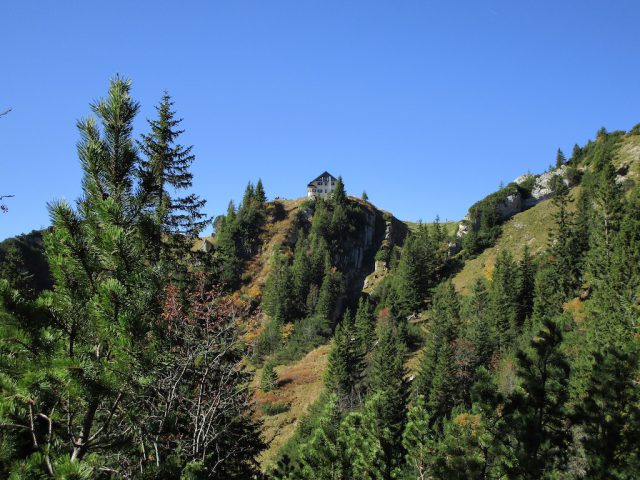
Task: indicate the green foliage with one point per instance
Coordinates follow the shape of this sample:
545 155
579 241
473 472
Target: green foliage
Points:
419 270
610 416
345 368
504 299
106 367
485 219
269 378
165 172
339 194
364 325
277 300
238 235
22 259
277 408
560 159
540 403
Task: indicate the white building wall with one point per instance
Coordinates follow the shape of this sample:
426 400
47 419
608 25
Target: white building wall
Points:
321 188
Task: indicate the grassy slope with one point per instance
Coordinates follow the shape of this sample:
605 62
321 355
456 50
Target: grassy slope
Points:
300 386
530 227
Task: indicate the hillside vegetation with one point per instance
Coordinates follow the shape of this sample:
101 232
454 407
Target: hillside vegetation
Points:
321 338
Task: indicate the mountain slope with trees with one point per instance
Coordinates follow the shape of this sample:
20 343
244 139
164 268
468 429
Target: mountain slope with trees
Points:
131 346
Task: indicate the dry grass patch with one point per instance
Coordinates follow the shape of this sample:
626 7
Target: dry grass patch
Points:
300 385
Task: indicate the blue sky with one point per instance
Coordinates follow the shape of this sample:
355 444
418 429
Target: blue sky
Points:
426 105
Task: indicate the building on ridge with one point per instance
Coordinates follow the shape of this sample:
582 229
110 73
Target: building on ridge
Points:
322 186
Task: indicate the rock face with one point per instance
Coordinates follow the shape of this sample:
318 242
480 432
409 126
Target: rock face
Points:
542 188
510 206
515 203
523 178
463 227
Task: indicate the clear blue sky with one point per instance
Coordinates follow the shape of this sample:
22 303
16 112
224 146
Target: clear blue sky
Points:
426 105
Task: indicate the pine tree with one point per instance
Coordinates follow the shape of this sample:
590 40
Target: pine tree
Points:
14 270
610 416
361 439
113 351
365 197
420 441
321 456
103 306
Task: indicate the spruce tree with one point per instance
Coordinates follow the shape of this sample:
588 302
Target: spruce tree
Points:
328 296
227 250
481 332
418 271
582 232
302 272
560 159
345 367
526 280
443 330
504 299
561 240
364 325
269 378
387 381
339 195
167 168
540 405
607 214
259 194
276 299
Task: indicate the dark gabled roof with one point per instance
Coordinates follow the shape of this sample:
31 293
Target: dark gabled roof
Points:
321 176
